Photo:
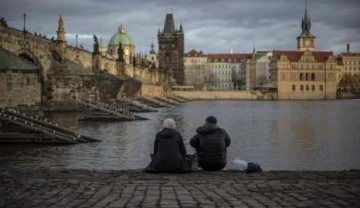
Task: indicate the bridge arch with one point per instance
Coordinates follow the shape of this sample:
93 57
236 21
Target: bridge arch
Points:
32 58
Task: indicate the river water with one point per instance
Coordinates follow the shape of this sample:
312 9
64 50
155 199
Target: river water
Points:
279 135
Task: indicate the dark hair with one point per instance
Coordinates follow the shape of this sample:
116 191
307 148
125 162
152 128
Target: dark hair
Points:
211 119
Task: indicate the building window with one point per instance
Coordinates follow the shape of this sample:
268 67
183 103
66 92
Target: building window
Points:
307 87
321 88
313 87
306 76
301 87
293 88
301 76
312 77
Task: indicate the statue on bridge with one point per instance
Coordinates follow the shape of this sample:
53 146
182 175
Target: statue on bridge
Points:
120 53
3 21
96 45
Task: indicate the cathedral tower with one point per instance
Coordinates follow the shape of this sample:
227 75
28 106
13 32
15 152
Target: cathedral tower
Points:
171 52
306 40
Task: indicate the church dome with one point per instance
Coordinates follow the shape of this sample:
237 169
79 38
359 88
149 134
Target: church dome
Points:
121 37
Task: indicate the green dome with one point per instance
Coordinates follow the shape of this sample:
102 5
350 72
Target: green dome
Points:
121 37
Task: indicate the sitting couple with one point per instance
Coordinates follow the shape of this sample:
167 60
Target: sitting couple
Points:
169 154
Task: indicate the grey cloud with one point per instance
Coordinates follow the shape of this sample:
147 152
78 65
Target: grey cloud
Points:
210 25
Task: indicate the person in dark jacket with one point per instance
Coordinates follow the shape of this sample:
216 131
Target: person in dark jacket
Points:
210 143
169 151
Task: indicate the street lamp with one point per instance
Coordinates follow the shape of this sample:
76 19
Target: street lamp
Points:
24 21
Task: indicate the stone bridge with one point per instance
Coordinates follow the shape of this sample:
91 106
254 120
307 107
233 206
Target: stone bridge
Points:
67 73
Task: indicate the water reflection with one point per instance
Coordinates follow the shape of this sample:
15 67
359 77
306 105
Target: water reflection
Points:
280 135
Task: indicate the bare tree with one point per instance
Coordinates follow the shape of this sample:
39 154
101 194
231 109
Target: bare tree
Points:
209 79
349 82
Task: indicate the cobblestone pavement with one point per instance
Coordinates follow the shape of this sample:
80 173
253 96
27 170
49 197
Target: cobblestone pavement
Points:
33 187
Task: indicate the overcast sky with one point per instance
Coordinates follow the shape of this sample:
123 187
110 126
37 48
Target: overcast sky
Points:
214 26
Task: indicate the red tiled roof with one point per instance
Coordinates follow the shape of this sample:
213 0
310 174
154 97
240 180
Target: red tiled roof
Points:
194 53
294 56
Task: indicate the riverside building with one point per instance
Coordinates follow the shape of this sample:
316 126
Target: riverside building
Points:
305 73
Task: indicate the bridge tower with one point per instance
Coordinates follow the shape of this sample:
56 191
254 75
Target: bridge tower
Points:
171 52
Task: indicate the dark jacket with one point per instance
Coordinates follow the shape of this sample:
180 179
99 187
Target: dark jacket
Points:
169 153
210 143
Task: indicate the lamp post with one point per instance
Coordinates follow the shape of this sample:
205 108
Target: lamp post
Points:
24 21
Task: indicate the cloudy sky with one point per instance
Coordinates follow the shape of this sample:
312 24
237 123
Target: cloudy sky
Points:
214 26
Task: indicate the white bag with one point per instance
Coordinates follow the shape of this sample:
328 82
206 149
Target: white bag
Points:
239 165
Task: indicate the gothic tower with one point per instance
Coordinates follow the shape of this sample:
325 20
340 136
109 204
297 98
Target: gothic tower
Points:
61 41
306 40
152 57
171 52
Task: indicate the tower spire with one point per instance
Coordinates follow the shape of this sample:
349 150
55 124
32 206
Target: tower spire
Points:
306 40
181 28
61 30
152 51
306 22
169 25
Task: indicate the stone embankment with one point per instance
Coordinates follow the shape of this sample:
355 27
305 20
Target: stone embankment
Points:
30 187
227 95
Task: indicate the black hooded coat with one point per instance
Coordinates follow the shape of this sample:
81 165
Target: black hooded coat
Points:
210 143
169 153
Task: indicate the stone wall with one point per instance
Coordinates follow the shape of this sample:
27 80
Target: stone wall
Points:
152 90
64 90
80 56
226 95
20 89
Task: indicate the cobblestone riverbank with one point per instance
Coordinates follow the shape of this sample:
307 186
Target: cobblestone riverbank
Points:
33 187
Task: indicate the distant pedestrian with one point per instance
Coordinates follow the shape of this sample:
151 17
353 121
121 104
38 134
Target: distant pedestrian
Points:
169 151
211 143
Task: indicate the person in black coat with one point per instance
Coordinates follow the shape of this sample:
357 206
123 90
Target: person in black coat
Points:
169 151
210 143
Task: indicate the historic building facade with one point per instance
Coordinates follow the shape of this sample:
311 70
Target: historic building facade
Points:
226 69
171 52
213 71
195 70
348 77
263 59
305 73
351 62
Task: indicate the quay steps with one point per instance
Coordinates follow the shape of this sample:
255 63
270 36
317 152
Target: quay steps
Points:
101 111
134 105
152 102
177 99
166 100
17 127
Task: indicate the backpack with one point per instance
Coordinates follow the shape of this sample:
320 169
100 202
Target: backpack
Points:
253 168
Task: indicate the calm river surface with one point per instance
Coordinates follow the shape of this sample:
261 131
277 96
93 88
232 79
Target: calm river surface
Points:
279 135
